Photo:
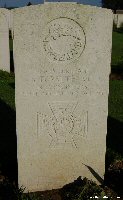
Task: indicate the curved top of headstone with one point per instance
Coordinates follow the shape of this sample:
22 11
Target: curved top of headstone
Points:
60 4
119 11
4 18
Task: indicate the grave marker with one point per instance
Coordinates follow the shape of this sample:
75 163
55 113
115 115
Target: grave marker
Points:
120 20
4 40
62 54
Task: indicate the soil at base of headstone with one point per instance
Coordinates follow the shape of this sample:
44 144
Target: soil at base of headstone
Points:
113 186
49 195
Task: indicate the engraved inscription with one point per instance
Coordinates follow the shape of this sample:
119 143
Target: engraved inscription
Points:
57 81
64 40
63 125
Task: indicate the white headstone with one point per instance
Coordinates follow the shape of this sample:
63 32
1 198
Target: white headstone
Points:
120 20
116 19
4 40
62 54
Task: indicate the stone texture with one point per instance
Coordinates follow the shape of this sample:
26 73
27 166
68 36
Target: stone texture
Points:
116 19
119 11
62 54
4 40
11 23
120 20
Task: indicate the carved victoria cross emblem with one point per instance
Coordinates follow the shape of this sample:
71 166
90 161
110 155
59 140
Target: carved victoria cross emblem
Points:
64 125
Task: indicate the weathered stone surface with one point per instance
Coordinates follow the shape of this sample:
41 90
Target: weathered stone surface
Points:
62 54
119 11
11 23
4 40
116 19
120 20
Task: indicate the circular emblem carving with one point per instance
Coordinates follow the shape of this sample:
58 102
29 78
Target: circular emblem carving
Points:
64 40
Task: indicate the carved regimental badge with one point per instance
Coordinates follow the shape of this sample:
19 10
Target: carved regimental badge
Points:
64 40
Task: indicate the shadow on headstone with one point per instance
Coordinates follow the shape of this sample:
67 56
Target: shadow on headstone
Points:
11 51
11 62
95 174
8 142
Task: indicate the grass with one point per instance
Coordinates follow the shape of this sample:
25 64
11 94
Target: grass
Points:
116 100
115 119
117 48
7 88
115 123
